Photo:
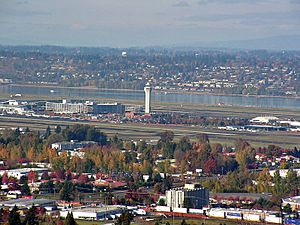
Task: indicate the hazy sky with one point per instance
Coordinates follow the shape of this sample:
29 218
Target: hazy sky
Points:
122 23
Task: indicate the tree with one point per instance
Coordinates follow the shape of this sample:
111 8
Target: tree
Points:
166 136
203 138
263 181
53 138
116 142
245 155
47 186
47 132
158 188
1 215
70 220
157 178
32 176
66 193
14 217
124 219
25 190
287 209
216 148
183 222
161 201
58 129
291 182
30 218
23 179
141 146
45 176
184 144
278 184
5 178
210 166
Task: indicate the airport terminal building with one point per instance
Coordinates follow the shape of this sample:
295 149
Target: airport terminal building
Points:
106 108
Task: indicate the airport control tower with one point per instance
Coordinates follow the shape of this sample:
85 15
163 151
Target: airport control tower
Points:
147 90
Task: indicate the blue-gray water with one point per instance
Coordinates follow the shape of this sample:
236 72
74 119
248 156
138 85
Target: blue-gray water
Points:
206 99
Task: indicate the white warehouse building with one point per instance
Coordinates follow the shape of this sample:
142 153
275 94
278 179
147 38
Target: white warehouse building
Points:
18 173
93 213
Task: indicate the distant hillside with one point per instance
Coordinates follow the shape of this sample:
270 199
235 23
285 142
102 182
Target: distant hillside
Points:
271 43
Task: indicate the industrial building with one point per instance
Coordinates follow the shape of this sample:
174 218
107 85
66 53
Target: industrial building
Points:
23 203
106 108
93 213
12 107
264 119
18 173
72 145
190 196
246 215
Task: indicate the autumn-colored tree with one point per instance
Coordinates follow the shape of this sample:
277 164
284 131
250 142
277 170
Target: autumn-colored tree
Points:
83 179
210 166
245 154
264 181
5 178
32 176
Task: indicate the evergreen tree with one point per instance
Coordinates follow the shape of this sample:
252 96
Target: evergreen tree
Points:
25 190
14 217
124 219
31 218
48 132
287 209
66 192
58 129
17 132
1 215
278 184
183 222
70 220
23 179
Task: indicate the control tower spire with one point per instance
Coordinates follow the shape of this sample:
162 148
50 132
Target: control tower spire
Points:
147 90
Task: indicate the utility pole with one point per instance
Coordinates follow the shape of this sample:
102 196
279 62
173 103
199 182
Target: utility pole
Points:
172 207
